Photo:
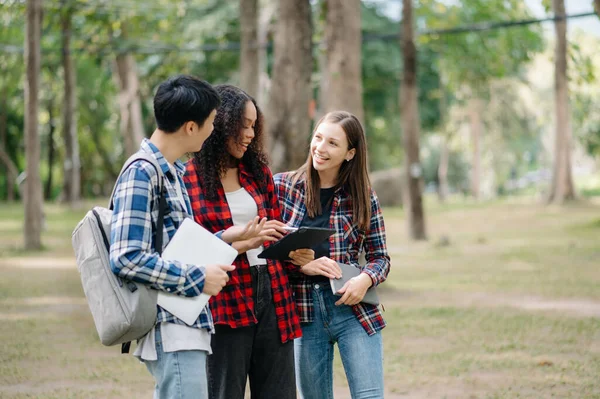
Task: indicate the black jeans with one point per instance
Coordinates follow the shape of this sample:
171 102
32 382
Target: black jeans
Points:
255 352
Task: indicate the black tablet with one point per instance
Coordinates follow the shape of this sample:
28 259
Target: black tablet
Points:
304 237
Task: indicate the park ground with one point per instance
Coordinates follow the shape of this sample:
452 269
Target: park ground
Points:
502 301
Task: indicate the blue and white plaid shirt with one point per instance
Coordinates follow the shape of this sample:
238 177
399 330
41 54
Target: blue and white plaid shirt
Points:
133 255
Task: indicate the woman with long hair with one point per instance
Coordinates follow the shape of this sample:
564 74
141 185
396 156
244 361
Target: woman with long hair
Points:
332 190
255 317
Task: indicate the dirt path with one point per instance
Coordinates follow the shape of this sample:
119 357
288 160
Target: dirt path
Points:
39 262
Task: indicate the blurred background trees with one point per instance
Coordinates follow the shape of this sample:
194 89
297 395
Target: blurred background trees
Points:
487 122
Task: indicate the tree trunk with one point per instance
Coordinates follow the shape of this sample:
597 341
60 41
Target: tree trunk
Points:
321 61
33 184
443 169
409 109
265 26
11 169
343 57
323 82
108 163
475 112
562 180
288 111
249 75
597 7
131 124
11 174
72 164
130 106
51 150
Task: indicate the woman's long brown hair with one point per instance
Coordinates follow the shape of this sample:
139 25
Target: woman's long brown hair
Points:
353 175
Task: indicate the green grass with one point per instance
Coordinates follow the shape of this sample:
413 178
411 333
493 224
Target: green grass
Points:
509 309
591 192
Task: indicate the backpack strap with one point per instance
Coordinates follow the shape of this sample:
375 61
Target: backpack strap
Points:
139 156
162 207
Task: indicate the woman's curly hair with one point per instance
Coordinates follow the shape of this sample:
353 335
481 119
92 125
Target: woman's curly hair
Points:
213 160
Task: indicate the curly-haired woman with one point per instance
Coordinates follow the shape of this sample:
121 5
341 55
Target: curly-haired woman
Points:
255 316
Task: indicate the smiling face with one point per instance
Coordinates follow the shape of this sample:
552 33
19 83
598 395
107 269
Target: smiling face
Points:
237 146
329 148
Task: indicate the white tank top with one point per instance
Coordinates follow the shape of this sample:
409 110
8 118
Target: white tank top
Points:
243 209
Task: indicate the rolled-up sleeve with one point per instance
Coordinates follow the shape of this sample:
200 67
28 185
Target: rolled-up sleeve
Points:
132 253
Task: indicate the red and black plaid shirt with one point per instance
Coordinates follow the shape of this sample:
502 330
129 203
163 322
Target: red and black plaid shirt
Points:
234 305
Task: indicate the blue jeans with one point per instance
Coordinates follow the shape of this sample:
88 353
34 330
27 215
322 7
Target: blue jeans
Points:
178 375
362 355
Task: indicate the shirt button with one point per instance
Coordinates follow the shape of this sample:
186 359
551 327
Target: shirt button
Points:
317 286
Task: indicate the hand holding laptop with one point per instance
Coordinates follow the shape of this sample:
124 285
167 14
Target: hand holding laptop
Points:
194 245
216 278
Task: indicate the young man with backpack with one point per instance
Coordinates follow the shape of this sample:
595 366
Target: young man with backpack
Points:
174 353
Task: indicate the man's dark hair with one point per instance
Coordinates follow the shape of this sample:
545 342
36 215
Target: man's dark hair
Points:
182 99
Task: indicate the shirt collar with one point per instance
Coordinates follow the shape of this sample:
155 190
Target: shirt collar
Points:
244 170
166 168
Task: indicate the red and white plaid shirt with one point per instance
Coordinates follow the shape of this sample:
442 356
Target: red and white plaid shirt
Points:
345 246
234 305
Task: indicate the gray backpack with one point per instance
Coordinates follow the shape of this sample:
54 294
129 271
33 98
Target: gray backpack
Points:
122 310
